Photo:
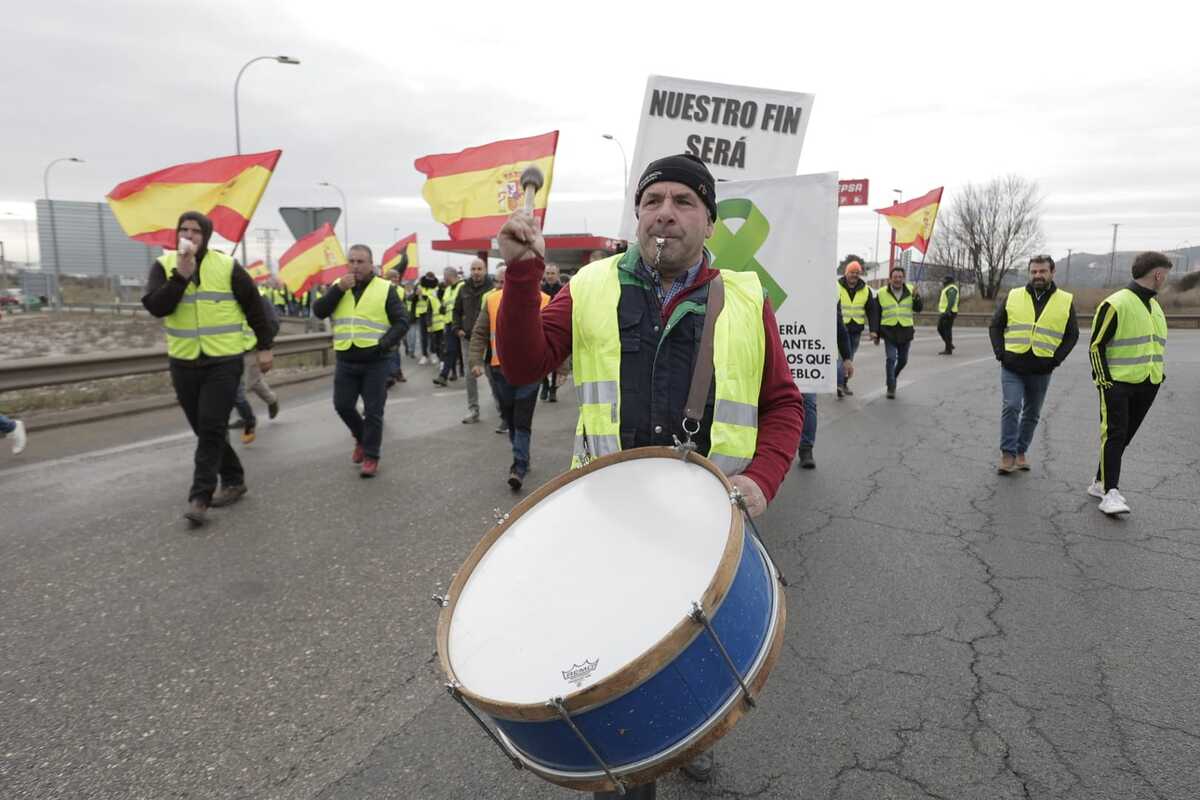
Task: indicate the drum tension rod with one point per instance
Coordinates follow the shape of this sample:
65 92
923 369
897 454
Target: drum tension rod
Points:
738 499
557 704
452 690
699 616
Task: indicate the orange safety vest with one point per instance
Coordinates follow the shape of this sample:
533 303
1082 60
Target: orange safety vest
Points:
493 309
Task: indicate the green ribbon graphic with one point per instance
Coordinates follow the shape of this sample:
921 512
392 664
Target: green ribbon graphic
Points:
736 251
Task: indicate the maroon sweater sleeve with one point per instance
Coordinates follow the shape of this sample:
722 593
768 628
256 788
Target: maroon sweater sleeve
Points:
780 415
531 344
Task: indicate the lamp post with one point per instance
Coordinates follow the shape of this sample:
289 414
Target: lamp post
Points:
892 247
624 169
53 227
237 117
345 211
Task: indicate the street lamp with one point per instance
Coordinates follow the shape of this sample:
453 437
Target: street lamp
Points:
345 211
54 228
237 117
624 170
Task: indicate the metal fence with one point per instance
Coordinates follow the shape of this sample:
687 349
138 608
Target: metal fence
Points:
89 241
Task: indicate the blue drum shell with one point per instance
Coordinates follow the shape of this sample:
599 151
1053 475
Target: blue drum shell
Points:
683 697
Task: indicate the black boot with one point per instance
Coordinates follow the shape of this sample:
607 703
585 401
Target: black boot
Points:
806 457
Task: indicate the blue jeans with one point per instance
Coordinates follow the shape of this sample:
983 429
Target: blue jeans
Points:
897 358
516 408
244 409
1020 409
368 379
855 337
7 425
394 362
808 436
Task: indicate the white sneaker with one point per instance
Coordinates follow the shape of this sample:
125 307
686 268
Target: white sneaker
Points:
424 360
1096 489
1113 503
19 438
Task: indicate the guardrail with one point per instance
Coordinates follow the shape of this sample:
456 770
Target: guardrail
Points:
982 318
29 373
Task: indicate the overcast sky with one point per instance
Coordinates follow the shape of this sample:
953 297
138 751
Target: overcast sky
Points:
1101 108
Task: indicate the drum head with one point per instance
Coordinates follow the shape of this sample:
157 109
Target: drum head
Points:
589 579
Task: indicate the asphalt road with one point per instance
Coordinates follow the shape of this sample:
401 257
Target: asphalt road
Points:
951 633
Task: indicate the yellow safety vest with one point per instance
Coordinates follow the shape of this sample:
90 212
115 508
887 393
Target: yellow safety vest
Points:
362 323
896 312
944 303
448 298
1139 344
738 350
427 299
1045 333
854 309
208 319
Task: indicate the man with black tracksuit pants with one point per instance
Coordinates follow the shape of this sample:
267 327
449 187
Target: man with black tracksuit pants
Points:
204 298
1129 342
362 306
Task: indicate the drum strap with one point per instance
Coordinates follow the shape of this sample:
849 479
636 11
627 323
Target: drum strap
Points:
702 373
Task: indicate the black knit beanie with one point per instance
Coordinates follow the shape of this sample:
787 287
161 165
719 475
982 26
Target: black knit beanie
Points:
684 168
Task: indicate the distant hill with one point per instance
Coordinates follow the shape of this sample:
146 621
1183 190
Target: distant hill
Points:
1092 269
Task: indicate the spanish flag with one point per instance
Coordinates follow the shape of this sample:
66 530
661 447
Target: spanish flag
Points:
913 219
259 271
474 191
226 189
391 258
315 260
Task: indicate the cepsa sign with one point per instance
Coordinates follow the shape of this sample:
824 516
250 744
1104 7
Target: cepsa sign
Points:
853 193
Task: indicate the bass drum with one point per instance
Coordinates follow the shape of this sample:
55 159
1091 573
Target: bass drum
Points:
617 623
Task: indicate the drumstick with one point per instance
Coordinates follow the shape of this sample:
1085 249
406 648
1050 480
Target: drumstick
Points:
532 181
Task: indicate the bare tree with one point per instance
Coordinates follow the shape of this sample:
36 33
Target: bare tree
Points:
990 229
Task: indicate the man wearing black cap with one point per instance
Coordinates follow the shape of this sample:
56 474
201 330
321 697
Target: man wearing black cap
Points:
634 326
204 298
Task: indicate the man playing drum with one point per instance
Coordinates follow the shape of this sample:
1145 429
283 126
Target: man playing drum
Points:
633 324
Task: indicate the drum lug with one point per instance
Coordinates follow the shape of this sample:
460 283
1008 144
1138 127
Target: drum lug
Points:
557 704
441 600
684 447
738 499
701 618
452 689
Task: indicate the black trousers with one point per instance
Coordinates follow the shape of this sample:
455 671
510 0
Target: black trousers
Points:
945 329
368 380
1123 406
206 395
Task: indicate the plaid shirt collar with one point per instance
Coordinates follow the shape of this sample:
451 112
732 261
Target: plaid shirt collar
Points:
665 296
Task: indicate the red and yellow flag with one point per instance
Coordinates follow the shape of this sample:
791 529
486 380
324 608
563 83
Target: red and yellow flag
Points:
226 189
391 258
259 271
315 260
913 219
474 191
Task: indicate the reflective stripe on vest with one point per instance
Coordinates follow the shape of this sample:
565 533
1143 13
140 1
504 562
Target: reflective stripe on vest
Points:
361 323
208 320
944 304
739 346
896 312
1042 334
854 309
1139 345
492 301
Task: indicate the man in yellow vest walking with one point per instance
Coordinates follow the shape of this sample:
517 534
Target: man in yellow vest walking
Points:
898 302
858 305
205 300
368 321
947 313
1032 333
632 324
1129 342
451 350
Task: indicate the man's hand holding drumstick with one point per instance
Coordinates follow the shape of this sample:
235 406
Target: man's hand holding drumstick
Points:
521 238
